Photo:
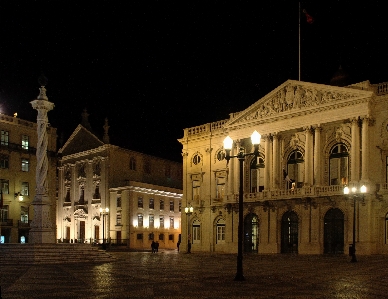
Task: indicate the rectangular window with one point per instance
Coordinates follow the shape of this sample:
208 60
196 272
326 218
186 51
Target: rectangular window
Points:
171 205
171 237
161 237
220 192
25 189
4 214
196 190
162 204
4 186
4 138
220 233
171 222
161 221
151 236
140 202
118 202
151 221
139 236
4 161
25 142
140 220
23 214
196 233
118 219
152 203
25 164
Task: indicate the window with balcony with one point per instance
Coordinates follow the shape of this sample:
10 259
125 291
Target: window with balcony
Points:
140 220
220 231
220 188
257 175
151 221
171 222
295 168
339 165
4 184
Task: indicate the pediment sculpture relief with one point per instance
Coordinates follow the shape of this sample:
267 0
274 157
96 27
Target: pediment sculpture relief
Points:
293 97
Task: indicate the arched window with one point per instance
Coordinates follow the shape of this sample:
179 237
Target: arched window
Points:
295 168
339 165
257 175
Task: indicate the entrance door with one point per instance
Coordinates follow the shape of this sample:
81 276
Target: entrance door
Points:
334 232
289 233
251 229
67 236
82 231
96 234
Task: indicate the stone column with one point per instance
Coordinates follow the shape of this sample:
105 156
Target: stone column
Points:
268 164
317 156
355 152
309 158
365 150
276 163
41 226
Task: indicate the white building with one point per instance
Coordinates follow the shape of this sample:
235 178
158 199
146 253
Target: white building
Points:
321 137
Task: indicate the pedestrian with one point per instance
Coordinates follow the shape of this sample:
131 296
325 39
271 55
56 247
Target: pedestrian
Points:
157 246
153 247
177 245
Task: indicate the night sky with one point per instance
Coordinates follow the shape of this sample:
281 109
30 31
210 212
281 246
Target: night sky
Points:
154 68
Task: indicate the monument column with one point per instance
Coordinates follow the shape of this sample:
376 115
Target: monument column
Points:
41 226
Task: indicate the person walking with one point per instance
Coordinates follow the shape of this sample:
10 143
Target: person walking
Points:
153 247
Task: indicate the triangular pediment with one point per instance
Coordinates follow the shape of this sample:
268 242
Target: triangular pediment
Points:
80 140
294 98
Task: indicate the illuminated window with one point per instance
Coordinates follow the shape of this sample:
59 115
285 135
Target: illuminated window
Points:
295 168
140 220
161 221
25 189
25 164
171 222
171 205
257 175
151 221
220 191
4 186
339 168
25 142
4 138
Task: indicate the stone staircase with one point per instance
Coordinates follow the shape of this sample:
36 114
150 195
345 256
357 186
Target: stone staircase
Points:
52 254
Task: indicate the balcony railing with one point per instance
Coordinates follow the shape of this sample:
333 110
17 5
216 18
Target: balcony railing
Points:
6 222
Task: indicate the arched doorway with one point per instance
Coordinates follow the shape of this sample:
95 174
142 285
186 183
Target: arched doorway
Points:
334 231
289 233
251 233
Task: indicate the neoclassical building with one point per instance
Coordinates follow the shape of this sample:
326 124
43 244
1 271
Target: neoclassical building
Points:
315 141
94 174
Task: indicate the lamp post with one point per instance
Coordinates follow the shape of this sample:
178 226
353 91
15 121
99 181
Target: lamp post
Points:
188 211
103 212
228 143
355 193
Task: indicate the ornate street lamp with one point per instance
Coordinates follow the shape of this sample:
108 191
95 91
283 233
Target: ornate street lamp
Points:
103 212
188 211
355 193
228 143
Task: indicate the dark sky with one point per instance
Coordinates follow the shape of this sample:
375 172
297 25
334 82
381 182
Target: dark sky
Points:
154 68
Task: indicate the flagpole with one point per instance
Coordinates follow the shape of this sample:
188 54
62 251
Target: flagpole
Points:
299 41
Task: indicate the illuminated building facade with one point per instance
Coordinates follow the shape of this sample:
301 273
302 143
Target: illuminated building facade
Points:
315 140
17 176
94 175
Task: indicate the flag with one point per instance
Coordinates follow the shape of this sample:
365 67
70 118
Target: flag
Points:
309 18
285 175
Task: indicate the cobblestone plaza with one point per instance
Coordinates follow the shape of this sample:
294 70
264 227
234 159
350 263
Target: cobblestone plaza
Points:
168 274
